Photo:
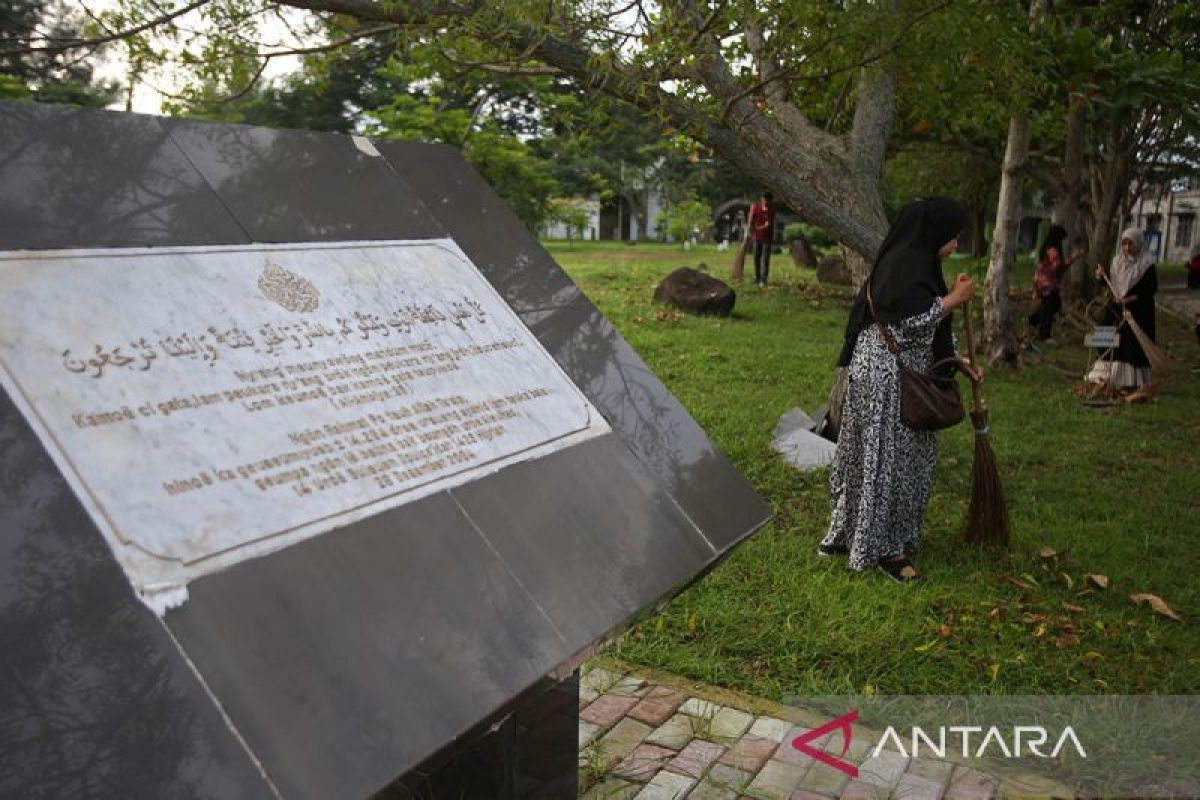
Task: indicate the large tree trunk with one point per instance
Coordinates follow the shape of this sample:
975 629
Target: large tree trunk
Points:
1069 204
1110 185
859 264
998 339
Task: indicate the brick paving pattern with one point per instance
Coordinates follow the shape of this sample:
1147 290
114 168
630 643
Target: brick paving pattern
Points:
642 740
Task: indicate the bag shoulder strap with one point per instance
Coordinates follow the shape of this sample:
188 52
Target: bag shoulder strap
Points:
892 347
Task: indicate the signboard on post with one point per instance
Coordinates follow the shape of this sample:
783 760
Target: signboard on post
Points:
1102 337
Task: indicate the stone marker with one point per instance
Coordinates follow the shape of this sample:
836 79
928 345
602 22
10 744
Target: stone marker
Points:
695 292
304 437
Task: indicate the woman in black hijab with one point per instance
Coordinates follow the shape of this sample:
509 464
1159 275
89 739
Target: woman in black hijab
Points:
883 470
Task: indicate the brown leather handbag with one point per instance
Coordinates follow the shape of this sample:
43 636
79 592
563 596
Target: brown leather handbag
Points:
928 401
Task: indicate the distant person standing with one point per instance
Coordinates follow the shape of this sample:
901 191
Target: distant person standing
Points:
762 231
1050 268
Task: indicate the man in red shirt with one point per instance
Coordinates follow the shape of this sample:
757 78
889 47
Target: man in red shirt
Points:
762 230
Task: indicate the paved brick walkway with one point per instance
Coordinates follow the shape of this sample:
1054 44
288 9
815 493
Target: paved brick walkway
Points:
646 735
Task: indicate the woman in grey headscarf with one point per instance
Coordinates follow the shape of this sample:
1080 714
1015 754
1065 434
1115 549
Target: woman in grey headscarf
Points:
1134 281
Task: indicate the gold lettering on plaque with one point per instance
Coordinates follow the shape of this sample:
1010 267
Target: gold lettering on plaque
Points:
288 289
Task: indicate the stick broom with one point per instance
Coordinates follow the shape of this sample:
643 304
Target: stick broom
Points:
987 517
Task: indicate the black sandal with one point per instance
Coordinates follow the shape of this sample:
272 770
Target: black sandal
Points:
832 550
898 568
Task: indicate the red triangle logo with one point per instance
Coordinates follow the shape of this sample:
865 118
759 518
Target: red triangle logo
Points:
842 723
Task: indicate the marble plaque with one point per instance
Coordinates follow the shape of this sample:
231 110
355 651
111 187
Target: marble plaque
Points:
209 404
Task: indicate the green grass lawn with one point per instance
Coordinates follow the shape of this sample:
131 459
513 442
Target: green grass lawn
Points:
1114 492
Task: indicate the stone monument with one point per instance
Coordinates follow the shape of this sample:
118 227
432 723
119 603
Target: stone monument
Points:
319 477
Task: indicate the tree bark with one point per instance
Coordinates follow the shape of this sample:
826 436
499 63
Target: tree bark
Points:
1069 204
1111 184
998 339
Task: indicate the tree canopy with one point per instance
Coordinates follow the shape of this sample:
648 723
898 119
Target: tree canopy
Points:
808 99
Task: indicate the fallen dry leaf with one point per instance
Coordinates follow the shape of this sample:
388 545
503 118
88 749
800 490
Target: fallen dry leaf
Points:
1068 580
1020 584
1065 640
1047 552
1074 609
994 613
1157 603
1099 581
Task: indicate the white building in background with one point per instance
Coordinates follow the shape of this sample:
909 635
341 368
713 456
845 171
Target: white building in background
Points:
1169 220
557 230
619 218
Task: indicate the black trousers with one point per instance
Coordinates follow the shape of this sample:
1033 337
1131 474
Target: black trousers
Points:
1044 318
762 260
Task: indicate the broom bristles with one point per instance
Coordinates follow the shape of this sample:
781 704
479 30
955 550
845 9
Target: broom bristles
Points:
987 516
739 260
1160 362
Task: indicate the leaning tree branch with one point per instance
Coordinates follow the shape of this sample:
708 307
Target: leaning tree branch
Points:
329 46
405 13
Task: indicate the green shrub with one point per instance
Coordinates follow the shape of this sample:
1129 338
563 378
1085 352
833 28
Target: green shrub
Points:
815 236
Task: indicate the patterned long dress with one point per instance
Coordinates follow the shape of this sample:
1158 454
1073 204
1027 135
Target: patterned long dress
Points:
883 470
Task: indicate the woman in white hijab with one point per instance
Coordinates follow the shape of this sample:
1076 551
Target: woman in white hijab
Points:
1134 281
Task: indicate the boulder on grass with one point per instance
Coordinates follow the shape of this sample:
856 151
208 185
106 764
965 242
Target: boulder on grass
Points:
695 292
833 270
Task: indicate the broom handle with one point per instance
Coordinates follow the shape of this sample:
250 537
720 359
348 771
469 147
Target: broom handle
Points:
975 390
1125 315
